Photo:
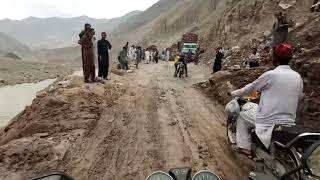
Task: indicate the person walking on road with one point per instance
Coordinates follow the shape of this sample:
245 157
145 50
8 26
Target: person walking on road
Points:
147 56
217 66
138 57
189 56
167 55
156 57
103 56
123 59
87 49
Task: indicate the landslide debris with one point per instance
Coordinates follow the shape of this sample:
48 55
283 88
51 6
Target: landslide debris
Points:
38 139
246 25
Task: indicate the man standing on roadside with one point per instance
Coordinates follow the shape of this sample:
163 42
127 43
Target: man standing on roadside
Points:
280 31
138 57
103 56
86 42
217 65
123 59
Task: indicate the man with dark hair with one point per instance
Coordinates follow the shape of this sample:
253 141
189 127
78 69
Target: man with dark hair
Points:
254 58
123 59
126 47
316 6
103 56
217 66
86 42
281 90
156 56
138 57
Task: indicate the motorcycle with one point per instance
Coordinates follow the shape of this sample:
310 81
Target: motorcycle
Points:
174 174
294 153
181 69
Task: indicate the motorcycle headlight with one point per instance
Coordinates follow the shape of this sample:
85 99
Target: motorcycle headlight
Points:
313 162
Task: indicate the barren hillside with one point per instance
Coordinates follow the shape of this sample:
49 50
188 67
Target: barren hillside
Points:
165 22
56 32
10 45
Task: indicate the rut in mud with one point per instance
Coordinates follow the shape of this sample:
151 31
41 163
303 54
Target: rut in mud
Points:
159 122
162 123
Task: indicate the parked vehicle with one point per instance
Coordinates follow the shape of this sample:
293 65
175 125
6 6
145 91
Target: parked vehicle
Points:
189 42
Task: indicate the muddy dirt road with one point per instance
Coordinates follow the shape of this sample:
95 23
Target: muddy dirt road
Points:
161 122
133 125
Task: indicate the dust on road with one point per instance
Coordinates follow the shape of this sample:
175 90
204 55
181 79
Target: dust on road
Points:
159 122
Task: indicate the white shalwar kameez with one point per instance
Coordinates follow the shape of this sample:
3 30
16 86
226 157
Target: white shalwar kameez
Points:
280 90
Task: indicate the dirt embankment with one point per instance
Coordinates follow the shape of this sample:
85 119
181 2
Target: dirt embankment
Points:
37 140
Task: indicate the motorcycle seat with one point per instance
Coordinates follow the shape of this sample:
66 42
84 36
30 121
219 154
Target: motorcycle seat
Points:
298 137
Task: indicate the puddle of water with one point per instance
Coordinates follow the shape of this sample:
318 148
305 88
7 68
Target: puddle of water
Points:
13 99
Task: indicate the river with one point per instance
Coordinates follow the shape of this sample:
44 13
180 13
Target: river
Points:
14 99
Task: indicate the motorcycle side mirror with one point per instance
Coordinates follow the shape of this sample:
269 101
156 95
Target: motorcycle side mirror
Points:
310 159
54 176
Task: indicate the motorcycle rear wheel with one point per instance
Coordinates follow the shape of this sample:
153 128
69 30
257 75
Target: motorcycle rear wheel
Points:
287 160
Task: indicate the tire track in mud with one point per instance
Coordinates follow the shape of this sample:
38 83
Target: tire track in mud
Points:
160 123
125 143
198 126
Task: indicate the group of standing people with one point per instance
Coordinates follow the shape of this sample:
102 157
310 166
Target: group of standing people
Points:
151 56
135 54
87 42
280 33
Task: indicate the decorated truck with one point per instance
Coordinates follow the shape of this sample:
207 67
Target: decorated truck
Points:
189 42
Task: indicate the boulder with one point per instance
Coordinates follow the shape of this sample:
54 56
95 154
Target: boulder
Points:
64 84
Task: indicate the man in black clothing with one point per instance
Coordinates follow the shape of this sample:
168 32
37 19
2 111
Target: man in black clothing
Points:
103 56
217 66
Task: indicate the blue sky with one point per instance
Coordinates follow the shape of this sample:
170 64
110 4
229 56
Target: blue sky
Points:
20 9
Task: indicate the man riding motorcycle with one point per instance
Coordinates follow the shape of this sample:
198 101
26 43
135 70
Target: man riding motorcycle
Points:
280 90
178 59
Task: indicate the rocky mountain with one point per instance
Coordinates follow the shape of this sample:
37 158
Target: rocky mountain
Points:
164 23
56 32
10 45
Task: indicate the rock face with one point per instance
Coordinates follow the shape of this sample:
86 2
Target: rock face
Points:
247 24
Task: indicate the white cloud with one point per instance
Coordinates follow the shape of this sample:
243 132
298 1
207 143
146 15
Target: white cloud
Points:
19 9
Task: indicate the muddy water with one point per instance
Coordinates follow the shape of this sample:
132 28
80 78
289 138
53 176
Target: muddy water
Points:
13 99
